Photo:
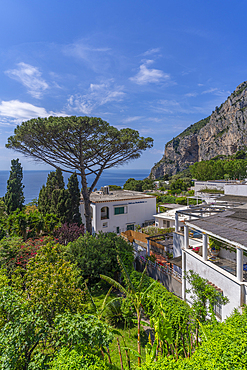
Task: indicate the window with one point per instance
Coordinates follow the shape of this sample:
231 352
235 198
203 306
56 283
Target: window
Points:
104 213
168 224
118 210
105 224
131 227
118 230
218 309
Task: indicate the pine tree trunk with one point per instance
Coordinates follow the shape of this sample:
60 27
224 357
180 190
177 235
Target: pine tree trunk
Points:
86 200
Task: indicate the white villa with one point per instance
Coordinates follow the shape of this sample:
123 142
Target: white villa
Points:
167 219
228 271
120 210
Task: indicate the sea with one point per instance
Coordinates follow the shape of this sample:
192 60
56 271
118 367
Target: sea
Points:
33 180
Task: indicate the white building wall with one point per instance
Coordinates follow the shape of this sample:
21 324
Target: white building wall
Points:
137 211
178 241
159 222
222 279
199 185
236 189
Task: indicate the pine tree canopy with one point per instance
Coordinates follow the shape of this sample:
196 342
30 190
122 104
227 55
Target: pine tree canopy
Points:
84 145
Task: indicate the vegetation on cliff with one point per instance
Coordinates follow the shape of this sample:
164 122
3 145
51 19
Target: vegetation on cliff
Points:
223 133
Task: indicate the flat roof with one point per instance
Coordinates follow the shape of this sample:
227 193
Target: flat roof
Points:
118 195
229 226
170 205
232 198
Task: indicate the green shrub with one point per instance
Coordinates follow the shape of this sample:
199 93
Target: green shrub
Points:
74 360
114 315
224 346
97 254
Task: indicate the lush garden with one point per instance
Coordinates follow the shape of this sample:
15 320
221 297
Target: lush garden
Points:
70 300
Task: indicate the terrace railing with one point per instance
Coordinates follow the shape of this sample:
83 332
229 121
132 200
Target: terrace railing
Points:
163 268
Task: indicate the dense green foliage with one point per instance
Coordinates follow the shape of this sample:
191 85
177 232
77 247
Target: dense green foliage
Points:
14 198
219 169
54 198
74 360
176 311
115 187
52 284
180 185
223 346
97 255
27 341
138 185
204 298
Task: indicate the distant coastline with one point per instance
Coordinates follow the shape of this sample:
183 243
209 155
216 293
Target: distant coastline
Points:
33 180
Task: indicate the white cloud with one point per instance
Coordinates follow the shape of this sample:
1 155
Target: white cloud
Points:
152 51
14 111
30 77
190 95
216 91
98 95
83 51
157 151
96 58
132 119
146 75
167 106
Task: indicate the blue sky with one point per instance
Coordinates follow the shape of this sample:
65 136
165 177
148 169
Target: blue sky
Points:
155 66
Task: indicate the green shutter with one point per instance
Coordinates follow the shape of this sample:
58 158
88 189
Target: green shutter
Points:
118 210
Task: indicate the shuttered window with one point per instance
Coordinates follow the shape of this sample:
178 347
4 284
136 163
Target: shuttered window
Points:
118 210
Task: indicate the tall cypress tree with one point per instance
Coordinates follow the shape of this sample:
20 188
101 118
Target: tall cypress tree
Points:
61 205
14 198
73 188
54 182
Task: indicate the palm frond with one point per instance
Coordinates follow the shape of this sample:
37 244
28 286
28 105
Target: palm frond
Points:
115 284
107 295
107 304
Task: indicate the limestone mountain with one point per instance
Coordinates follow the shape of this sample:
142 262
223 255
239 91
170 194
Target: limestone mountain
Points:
222 133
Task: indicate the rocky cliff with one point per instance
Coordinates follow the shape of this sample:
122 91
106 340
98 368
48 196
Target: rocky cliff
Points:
222 133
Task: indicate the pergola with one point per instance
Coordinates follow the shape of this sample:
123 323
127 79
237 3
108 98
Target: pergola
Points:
229 226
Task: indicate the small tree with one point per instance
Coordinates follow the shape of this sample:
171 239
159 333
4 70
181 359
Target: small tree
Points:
87 145
135 295
97 254
14 198
204 298
68 233
52 284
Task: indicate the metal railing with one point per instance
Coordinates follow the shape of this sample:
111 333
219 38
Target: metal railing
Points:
165 269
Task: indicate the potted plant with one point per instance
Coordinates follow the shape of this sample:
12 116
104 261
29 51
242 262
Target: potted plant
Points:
196 249
214 246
